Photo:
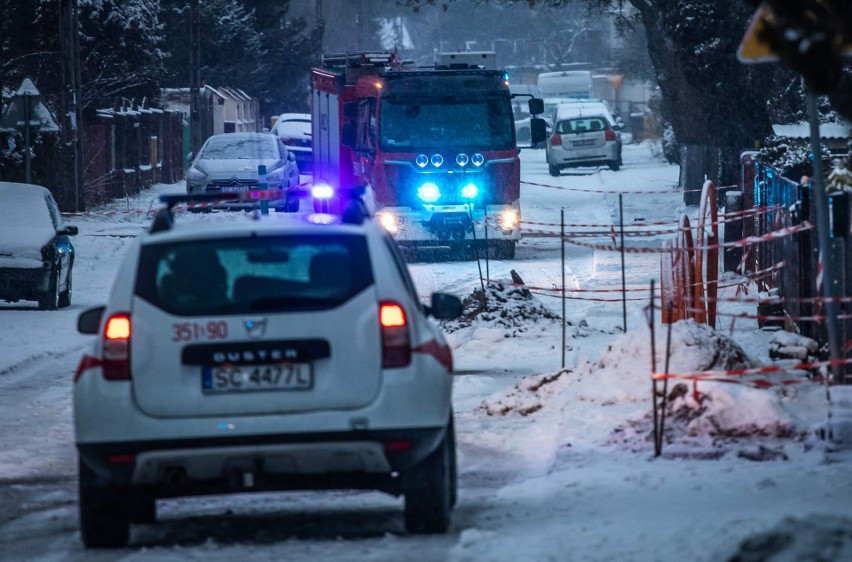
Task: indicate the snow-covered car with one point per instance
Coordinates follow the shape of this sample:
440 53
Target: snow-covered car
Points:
294 130
277 353
36 254
230 162
579 140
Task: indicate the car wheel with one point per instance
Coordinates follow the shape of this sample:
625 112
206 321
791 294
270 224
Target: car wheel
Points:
49 300
104 515
554 171
614 165
143 509
65 296
292 205
428 491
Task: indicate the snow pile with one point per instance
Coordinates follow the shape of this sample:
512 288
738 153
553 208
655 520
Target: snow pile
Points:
508 308
787 345
621 377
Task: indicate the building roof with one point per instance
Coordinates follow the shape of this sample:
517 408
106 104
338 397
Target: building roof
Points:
803 131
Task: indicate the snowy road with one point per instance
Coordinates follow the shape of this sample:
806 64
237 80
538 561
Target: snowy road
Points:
572 478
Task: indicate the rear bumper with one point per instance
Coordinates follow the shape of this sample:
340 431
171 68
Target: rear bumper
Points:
355 459
20 283
560 156
442 224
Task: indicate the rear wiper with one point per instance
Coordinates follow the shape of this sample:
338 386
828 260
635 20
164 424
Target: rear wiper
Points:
291 303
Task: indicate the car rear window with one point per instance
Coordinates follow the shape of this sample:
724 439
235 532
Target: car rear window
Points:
260 274
581 125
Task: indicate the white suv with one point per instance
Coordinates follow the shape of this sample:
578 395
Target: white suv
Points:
276 353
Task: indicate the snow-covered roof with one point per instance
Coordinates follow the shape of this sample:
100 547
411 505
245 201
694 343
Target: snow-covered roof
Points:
803 130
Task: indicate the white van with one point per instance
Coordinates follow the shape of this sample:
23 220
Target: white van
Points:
576 84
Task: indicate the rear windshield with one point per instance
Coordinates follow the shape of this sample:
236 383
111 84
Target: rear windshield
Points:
252 275
581 125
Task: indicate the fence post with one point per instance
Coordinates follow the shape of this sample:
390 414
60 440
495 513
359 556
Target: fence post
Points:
733 230
152 147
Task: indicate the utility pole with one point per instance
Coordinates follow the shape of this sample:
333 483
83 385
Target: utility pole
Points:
71 101
77 109
195 139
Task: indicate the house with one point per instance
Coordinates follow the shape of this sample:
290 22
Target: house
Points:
224 109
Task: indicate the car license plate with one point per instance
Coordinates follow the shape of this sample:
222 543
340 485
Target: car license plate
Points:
235 188
246 378
586 142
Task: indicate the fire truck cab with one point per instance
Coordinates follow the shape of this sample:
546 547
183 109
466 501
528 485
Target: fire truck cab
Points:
432 150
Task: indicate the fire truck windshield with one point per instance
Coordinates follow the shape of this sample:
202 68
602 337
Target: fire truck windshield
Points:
481 123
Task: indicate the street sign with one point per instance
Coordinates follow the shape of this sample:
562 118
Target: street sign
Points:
27 114
26 105
615 80
753 49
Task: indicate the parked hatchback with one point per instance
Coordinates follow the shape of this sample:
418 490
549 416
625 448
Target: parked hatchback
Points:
230 162
285 352
583 141
36 254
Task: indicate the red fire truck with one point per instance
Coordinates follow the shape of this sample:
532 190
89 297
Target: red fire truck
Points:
433 149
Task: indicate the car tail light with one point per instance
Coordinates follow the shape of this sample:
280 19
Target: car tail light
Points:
396 337
556 140
116 361
609 134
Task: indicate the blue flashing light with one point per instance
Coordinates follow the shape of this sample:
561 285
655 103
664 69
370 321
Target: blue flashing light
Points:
437 160
477 159
470 191
322 191
428 192
422 160
462 159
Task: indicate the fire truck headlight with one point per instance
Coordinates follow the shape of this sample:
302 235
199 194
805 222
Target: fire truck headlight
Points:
477 159
437 160
388 221
322 191
428 192
462 159
422 160
470 191
509 219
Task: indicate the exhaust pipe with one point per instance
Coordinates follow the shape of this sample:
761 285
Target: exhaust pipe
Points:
175 476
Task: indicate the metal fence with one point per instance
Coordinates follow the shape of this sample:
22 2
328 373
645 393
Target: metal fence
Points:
126 150
784 203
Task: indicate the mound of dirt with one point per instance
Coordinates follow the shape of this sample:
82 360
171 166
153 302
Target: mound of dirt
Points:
509 307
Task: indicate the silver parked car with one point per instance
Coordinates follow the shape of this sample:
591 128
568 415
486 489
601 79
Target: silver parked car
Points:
231 162
583 141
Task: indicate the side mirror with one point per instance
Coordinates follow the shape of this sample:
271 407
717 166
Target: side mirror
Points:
347 135
189 156
538 130
445 307
68 231
536 106
89 321
290 156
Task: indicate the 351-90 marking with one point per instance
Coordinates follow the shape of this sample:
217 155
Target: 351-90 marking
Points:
190 331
